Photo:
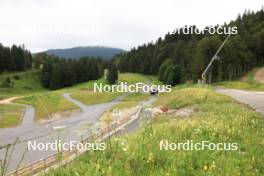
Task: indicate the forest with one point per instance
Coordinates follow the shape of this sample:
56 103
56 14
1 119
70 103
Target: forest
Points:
16 58
59 72
177 57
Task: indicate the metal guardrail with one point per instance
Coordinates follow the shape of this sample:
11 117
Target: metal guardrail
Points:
52 161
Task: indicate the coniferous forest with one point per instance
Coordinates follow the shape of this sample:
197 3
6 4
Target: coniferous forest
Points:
59 72
16 58
178 58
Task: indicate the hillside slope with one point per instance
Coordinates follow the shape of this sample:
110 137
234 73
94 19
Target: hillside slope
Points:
18 83
78 52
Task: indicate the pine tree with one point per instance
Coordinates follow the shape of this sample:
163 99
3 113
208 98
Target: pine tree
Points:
46 74
112 75
56 78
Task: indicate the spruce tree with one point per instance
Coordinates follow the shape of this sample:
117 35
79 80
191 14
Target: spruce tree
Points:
112 75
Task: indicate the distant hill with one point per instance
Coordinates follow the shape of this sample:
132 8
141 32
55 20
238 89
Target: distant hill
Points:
77 52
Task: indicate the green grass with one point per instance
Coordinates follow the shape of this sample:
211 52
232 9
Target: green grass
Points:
88 86
131 100
20 83
242 85
219 119
48 103
154 80
122 77
90 97
10 115
132 78
185 96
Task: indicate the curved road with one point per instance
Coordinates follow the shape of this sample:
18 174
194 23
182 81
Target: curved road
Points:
251 98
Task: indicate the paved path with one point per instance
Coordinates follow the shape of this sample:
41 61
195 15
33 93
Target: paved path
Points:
253 99
77 103
29 116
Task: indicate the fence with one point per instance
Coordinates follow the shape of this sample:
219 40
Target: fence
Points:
52 161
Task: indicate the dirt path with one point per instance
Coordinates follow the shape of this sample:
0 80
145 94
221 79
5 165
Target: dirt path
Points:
8 100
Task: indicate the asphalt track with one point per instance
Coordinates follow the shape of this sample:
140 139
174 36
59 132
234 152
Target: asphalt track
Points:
251 98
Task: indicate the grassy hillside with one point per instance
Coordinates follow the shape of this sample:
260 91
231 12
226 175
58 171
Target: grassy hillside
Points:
218 119
19 83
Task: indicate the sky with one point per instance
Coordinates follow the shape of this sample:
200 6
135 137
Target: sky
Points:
50 24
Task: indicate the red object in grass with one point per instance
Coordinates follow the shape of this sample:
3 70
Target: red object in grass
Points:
164 108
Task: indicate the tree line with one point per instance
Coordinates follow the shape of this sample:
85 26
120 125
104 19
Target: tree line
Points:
57 72
16 58
178 57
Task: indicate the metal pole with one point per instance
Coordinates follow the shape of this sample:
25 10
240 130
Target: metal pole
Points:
214 57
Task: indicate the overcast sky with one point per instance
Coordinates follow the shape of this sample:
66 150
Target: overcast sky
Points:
46 24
